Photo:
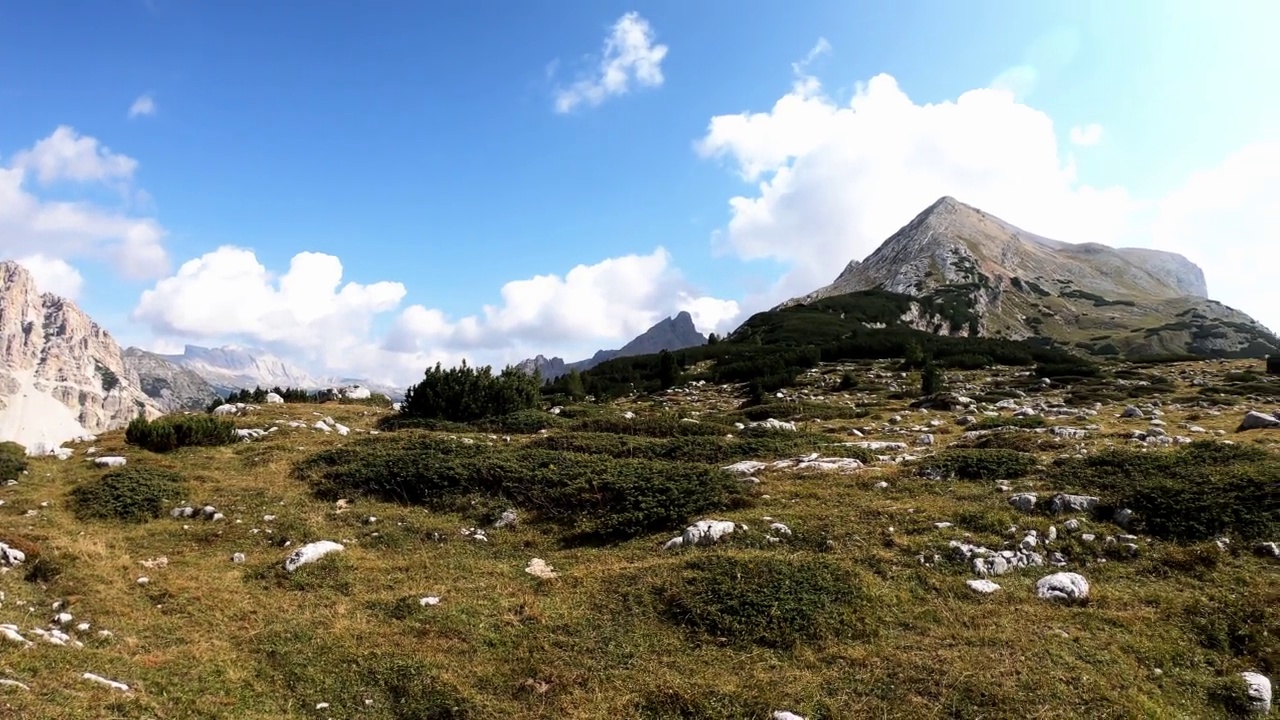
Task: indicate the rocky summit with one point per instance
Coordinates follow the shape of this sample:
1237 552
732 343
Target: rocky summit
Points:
673 333
171 386
971 273
61 375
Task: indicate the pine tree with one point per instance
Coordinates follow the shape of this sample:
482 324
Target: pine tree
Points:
573 386
931 379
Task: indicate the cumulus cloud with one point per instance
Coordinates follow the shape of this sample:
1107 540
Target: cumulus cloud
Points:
1227 220
53 275
308 313
144 105
1086 135
66 229
630 55
611 300
68 155
832 181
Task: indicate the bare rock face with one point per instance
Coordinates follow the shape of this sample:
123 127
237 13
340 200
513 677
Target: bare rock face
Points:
674 333
61 375
170 386
971 273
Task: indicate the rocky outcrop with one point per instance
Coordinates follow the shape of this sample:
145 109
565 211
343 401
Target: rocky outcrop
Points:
172 387
61 375
673 333
971 273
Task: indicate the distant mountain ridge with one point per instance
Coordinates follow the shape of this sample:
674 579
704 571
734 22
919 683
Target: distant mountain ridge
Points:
673 333
230 368
975 274
171 386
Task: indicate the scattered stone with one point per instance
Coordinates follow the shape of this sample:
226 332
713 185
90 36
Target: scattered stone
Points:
11 556
539 568
924 440
237 558
103 681
1254 420
110 461
1026 502
1064 503
1132 412
1267 549
703 532
1063 586
12 683
984 586
309 553
429 601
786 715
773 424
508 518
1259 692
746 467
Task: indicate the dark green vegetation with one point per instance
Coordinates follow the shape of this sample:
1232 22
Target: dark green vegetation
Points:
972 464
13 461
761 599
175 431
1273 364
110 381
465 393
708 449
128 494
591 497
772 348
1196 492
297 395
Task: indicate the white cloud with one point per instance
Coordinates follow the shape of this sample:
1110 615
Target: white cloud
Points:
629 55
67 155
610 301
710 315
144 105
833 181
1086 135
309 315
53 275
66 229
1227 220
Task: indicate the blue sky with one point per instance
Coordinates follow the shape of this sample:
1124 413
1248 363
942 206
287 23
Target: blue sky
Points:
421 144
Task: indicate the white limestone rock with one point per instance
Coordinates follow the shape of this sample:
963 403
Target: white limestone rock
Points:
984 586
1063 587
311 552
1259 692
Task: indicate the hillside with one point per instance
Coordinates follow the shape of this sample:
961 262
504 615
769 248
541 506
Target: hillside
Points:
61 375
974 274
849 586
673 333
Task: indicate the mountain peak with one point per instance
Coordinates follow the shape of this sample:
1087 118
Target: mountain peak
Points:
673 333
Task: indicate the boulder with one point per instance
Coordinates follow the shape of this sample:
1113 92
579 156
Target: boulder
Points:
309 553
1063 587
1064 503
1259 689
1254 420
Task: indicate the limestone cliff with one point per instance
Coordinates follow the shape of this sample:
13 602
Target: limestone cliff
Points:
61 375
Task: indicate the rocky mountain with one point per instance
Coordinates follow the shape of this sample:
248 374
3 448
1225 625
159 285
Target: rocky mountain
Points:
972 273
61 375
230 368
673 333
172 387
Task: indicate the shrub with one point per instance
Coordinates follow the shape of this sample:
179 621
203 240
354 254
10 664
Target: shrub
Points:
1026 442
524 422
464 393
13 460
128 494
963 464
697 449
1195 492
931 380
848 381
762 600
1029 422
315 667
661 425
172 432
1273 364
591 497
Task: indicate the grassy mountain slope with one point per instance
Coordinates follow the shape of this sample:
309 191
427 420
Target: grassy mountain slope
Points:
839 620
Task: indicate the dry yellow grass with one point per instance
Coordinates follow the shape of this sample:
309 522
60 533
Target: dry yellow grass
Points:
207 638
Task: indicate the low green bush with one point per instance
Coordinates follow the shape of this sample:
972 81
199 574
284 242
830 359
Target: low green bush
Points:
660 425
128 494
1243 623
13 460
770 445
172 432
591 497
760 600
1196 492
465 393
1026 442
1029 422
965 464
377 683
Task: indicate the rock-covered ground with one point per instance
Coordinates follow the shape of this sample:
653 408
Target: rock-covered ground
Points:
1013 548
